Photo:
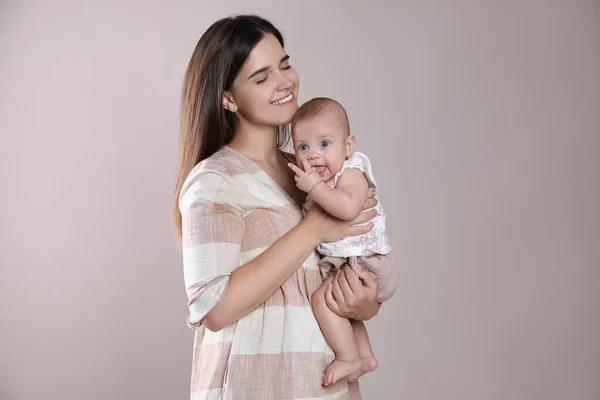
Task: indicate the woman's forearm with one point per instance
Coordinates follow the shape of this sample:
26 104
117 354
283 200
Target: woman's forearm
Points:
254 282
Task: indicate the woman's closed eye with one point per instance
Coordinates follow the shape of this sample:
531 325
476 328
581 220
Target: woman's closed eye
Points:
262 80
266 76
285 64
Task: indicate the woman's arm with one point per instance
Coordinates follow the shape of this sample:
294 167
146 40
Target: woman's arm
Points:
254 282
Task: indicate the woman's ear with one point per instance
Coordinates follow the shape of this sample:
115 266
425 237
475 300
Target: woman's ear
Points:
229 102
350 142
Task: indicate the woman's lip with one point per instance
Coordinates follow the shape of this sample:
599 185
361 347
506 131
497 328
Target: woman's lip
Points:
283 100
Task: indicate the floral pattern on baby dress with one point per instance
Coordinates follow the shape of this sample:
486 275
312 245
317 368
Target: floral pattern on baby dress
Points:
373 242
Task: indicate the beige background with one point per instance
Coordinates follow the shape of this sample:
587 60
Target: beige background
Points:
483 122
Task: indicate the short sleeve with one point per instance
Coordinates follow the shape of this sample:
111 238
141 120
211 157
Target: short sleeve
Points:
212 233
361 162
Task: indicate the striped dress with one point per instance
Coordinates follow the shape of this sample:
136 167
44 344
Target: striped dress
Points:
232 211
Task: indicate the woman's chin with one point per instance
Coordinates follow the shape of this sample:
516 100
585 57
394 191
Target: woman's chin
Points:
285 115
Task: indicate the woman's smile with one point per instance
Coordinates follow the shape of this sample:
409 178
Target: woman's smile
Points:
284 100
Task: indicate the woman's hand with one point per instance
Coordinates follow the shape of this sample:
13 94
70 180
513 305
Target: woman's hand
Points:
327 228
353 294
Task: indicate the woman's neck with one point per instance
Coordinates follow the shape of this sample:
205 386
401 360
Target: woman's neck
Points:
257 143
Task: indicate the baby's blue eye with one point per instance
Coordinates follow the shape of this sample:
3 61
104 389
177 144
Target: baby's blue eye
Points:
302 147
324 143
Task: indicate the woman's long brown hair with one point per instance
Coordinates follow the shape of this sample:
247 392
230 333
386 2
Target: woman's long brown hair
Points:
215 63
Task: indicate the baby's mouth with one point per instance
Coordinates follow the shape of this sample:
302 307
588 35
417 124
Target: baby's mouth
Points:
320 168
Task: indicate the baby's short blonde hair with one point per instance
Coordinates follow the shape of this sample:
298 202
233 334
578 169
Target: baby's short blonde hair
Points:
319 106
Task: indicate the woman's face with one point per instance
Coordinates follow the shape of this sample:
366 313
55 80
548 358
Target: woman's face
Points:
266 89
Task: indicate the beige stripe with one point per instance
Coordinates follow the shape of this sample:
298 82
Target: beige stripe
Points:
281 376
311 262
296 291
288 295
266 225
266 376
208 366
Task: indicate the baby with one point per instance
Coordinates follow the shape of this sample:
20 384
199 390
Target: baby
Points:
338 179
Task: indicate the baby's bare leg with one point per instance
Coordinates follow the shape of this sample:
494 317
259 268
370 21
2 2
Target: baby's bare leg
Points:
365 352
339 335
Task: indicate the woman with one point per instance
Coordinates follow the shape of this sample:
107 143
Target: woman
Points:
249 258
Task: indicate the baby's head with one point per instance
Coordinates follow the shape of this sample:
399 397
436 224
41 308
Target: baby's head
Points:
321 134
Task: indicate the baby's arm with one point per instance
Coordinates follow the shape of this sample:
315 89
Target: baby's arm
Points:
347 199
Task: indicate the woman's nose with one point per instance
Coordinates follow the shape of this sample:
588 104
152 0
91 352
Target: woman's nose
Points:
284 82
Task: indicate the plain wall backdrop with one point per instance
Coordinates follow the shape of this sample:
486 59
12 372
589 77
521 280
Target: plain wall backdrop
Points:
482 119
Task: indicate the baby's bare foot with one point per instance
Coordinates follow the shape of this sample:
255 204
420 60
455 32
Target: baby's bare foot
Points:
368 365
339 369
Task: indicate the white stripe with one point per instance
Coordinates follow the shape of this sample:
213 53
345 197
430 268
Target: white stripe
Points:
312 261
261 189
330 397
207 300
209 394
202 186
290 329
247 256
211 259
224 335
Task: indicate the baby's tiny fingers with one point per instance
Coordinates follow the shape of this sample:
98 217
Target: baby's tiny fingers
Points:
295 168
306 165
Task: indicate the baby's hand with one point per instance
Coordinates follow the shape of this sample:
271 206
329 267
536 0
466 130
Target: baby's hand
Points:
307 179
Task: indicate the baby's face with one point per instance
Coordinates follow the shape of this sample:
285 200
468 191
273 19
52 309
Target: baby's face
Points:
324 142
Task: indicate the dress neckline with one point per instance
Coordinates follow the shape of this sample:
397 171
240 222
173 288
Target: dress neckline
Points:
271 180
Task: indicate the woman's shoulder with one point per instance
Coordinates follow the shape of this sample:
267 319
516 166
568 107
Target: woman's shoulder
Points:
225 162
222 173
